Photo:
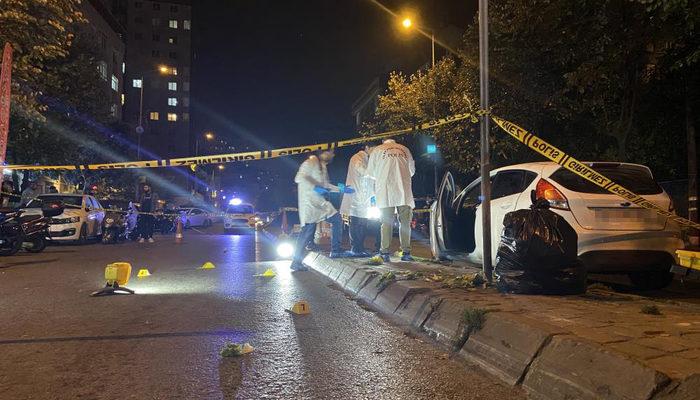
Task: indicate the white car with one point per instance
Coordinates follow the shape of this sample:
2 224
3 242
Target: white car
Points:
240 217
196 217
614 236
81 218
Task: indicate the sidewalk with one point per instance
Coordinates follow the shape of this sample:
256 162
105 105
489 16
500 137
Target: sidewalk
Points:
592 346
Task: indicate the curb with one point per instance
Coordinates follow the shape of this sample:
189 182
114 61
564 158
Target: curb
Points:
547 361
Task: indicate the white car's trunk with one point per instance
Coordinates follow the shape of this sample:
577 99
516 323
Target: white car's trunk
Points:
610 212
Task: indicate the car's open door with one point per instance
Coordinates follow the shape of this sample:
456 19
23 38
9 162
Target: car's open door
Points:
441 217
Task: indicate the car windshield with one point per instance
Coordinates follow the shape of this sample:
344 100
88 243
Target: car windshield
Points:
240 209
66 200
632 177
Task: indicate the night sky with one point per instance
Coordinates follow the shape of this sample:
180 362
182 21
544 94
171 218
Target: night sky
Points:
282 73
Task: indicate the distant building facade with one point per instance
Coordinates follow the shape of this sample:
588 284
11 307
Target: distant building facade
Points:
108 34
158 75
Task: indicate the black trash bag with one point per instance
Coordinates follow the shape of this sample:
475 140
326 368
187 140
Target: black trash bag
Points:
538 254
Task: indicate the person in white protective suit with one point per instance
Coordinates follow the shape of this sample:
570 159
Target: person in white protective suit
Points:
391 166
357 206
313 187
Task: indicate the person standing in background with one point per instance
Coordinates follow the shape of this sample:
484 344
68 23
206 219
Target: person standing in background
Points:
391 166
148 201
357 206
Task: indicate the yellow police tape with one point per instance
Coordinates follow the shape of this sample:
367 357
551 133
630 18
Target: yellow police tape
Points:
250 155
581 169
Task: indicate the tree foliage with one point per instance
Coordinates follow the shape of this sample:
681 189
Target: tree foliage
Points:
40 32
601 79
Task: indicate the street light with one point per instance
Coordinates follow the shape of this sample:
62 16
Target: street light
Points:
209 135
164 70
407 23
221 167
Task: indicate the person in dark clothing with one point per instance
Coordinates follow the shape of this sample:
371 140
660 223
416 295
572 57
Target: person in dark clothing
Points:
148 202
9 198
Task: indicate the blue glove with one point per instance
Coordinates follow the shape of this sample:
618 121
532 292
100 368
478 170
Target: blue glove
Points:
320 190
373 201
348 190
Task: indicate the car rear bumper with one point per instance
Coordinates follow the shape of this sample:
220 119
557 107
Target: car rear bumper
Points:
626 251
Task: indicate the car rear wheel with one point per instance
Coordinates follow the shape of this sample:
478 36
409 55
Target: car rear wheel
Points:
651 280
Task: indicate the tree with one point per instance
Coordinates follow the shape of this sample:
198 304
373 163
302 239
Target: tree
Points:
40 33
586 75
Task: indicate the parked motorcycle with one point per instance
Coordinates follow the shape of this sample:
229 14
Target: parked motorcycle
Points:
28 232
114 229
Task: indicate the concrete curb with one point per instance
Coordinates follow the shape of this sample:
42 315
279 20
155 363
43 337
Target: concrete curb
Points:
548 361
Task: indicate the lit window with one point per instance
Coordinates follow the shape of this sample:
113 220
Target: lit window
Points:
186 24
154 116
173 71
123 68
172 86
185 116
102 68
123 98
137 83
172 101
115 83
173 23
172 40
172 117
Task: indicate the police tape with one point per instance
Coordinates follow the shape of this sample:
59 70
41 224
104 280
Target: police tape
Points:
249 155
581 169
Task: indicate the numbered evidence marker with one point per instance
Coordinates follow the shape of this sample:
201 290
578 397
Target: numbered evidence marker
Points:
269 273
208 265
301 308
143 272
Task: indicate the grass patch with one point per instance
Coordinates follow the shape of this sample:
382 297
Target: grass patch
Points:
472 320
650 309
463 281
376 260
385 280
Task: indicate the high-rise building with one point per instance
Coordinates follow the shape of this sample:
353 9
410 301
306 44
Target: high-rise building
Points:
108 33
157 79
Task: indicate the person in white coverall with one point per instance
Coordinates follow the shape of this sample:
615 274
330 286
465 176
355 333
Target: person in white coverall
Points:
391 165
313 187
357 205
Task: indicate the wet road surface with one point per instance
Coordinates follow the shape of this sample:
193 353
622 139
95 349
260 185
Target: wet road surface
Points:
57 342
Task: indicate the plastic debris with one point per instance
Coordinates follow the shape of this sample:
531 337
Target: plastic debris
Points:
236 349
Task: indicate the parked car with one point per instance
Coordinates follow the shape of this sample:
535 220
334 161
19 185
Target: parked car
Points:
614 236
196 217
240 217
81 219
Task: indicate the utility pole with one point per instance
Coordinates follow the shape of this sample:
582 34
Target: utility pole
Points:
692 167
484 128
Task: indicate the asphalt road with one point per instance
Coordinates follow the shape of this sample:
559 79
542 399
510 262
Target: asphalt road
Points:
57 342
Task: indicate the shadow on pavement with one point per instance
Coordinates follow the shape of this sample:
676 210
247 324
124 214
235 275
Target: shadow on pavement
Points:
230 376
118 337
32 262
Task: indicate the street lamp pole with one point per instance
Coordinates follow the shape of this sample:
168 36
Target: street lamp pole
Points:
139 129
484 130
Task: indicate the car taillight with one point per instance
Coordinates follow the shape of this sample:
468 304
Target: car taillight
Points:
547 191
